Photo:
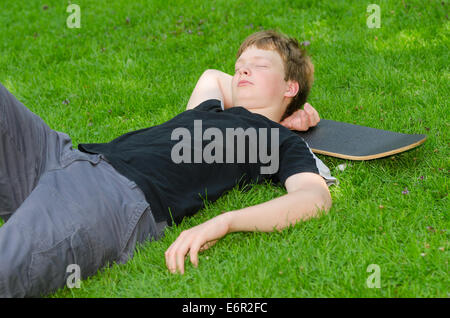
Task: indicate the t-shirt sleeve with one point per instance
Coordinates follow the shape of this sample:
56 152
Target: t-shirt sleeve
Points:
296 157
210 105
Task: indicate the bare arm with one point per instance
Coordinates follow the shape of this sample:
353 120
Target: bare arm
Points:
212 84
307 195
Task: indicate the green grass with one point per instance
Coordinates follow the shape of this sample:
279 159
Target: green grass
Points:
120 75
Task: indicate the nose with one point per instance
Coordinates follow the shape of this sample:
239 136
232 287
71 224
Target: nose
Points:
244 70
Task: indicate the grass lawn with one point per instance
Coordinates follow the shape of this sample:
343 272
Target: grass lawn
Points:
134 64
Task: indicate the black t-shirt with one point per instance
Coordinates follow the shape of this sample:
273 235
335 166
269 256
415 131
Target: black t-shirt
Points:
157 158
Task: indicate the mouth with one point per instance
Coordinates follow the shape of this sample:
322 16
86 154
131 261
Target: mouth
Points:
243 83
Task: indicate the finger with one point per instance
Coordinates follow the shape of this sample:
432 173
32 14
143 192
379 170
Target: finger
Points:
193 254
167 255
208 245
296 119
170 254
286 123
180 256
196 248
314 115
302 121
309 115
170 259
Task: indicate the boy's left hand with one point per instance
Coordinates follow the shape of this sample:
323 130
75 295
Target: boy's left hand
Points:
302 119
193 241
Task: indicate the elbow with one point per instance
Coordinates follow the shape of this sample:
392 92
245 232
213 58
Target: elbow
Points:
210 72
324 199
321 200
328 202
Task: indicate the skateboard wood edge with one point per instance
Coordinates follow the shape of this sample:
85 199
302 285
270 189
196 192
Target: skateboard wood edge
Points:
370 157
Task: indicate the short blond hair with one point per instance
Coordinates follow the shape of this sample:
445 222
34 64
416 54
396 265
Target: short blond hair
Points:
297 64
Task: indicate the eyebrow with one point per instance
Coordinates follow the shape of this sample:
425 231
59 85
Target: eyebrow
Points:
254 57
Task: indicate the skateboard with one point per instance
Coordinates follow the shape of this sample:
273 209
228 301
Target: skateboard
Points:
355 142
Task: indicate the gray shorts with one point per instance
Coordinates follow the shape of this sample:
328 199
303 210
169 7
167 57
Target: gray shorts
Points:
61 207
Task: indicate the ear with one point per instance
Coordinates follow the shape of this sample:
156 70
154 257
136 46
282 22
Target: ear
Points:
291 88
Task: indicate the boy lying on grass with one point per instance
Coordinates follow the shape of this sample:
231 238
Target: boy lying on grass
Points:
91 206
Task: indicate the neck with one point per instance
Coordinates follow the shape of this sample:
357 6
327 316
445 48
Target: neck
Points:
273 113
266 113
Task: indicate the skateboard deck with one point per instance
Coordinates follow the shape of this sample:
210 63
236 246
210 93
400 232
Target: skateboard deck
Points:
355 142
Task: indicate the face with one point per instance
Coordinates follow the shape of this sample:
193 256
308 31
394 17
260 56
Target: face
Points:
264 72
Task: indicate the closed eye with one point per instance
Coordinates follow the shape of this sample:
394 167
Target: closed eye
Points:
260 66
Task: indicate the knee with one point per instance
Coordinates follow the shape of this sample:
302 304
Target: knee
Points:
26 272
